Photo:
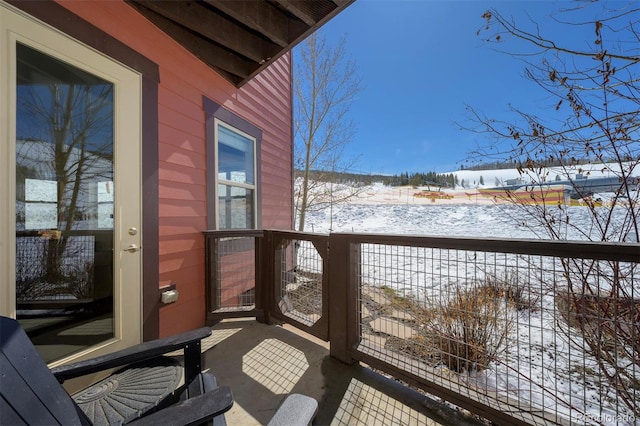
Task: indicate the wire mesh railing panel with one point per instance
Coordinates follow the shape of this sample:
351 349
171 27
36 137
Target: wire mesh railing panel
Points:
60 268
235 273
549 338
300 281
365 405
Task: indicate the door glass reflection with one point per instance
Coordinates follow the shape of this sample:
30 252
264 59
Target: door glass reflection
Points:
64 204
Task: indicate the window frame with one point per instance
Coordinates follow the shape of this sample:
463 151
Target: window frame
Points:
217 115
231 183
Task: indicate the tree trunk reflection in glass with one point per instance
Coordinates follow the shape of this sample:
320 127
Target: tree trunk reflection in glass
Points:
64 204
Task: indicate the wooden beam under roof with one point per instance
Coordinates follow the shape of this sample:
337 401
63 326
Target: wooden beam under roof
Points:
261 17
226 62
210 24
299 10
238 38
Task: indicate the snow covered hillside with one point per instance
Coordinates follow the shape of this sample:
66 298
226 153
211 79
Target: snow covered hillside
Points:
456 212
493 178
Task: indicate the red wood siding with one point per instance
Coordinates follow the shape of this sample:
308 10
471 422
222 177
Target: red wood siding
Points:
264 102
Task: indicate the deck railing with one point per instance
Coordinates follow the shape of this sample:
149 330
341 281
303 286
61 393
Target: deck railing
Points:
515 331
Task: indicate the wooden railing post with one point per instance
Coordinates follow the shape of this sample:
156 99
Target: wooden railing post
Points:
211 281
264 276
343 324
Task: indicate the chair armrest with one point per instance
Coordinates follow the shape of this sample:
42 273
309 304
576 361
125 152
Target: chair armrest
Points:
192 411
132 354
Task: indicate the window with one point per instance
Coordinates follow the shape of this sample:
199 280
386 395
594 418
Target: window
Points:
235 170
40 206
232 170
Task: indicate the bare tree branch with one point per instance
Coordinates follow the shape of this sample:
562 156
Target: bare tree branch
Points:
325 84
593 126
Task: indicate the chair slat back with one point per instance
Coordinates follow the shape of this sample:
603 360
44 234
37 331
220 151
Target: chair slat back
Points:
29 393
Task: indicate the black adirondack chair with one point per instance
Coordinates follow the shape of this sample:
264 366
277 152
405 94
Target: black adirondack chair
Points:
32 394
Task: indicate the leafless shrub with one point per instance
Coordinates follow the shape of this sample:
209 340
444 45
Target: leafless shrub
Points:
80 280
469 330
513 288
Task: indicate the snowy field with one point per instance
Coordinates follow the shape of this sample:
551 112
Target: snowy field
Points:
553 374
466 213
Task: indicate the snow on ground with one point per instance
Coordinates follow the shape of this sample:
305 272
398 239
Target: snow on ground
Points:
550 377
395 210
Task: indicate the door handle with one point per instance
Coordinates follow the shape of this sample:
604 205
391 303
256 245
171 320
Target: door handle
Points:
132 248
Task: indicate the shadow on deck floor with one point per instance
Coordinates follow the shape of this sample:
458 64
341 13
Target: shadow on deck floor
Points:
264 363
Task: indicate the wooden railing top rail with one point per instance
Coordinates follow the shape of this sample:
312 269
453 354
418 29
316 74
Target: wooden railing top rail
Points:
623 252
234 233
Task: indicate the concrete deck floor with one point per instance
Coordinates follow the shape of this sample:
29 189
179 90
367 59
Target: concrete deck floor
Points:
264 363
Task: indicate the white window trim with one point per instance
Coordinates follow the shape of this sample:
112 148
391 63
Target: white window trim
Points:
217 123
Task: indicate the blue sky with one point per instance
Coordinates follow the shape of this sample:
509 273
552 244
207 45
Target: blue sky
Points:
421 64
